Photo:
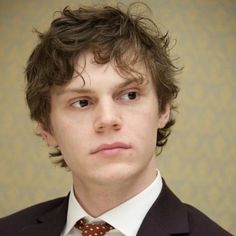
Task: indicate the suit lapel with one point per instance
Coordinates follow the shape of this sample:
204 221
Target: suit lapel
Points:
167 216
49 224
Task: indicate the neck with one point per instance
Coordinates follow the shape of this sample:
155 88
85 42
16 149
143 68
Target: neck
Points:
96 198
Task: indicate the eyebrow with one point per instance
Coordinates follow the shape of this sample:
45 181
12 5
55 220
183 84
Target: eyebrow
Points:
85 90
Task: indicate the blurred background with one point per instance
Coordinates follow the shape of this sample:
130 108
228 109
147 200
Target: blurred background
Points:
199 161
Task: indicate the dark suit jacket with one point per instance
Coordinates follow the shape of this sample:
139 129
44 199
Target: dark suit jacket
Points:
167 216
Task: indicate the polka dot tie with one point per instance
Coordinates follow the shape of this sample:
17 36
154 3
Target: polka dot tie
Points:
94 229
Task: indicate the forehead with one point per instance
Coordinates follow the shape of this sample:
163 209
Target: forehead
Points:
128 66
88 73
129 62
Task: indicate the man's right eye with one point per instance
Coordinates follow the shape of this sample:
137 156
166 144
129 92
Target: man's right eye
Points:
82 103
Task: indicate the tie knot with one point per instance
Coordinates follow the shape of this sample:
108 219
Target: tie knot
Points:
93 229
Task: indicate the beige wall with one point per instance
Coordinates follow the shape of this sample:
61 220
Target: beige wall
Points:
199 161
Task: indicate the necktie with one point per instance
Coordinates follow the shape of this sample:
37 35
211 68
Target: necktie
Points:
94 229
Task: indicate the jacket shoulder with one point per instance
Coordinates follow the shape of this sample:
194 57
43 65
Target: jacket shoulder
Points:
28 215
200 224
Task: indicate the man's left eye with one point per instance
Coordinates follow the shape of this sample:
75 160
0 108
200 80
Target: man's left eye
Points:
131 95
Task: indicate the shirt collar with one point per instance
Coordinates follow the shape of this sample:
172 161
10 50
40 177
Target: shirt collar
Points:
123 217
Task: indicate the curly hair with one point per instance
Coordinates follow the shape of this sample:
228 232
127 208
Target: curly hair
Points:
110 33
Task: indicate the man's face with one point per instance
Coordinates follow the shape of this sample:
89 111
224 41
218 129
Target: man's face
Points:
106 128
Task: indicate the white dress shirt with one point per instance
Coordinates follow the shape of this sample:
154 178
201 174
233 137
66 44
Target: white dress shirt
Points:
125 218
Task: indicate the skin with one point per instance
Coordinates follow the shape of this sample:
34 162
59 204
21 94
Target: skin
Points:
106 110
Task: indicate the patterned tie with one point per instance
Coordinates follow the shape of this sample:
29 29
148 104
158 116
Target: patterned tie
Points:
94 229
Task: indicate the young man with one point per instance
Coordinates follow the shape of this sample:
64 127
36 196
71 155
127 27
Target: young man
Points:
100 85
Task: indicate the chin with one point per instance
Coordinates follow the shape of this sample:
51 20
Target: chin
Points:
115 174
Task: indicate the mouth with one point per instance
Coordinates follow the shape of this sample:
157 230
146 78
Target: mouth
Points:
111 149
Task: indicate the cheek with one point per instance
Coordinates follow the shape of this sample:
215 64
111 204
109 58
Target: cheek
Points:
144 127
66 133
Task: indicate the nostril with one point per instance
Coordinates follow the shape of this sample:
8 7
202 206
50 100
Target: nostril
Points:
103 126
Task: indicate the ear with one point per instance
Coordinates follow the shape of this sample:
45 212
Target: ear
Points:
164 116
47 135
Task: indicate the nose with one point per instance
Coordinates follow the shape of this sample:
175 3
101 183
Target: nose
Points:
107 117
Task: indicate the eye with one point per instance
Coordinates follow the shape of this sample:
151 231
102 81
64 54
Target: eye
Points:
81 103
130 95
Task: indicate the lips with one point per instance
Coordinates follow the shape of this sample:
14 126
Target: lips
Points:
110 147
